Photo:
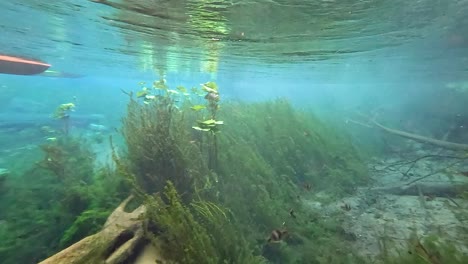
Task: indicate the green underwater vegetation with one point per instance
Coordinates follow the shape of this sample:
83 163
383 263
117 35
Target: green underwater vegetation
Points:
253 168
199 232
430 250
215 177
53 197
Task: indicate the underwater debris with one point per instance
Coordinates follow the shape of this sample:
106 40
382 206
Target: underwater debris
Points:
118 240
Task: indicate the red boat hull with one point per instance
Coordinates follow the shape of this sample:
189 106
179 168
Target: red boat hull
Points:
20 66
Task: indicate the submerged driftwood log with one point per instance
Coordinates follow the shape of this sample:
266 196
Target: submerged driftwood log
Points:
119 240
441 189
433 189
415 137
422 139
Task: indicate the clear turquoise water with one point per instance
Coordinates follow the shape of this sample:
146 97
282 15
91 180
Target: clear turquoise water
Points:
406 60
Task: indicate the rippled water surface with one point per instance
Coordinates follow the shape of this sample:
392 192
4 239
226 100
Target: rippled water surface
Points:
142 35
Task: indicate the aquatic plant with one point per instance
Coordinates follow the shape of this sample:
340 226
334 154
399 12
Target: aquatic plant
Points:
211 125
296 144
159 147
55 201
190 231
200 232
192 213
269 153
65 157
62 112
429 250
88 222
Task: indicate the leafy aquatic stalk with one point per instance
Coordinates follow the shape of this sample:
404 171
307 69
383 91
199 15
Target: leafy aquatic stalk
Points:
211 125
63 113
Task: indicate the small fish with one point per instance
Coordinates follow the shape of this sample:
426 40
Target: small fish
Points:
346 207
307 186
292 213
464 173
277 235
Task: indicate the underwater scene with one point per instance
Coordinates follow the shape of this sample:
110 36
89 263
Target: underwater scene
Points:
237 131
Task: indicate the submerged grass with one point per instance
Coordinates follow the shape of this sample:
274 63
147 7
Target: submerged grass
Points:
214 190
262 164
57 201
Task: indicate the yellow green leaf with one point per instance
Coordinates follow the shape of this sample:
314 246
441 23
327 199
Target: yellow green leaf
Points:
198 107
